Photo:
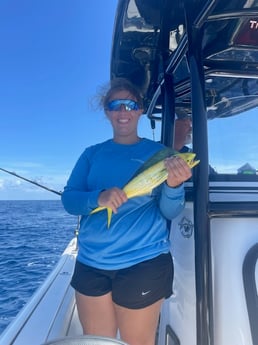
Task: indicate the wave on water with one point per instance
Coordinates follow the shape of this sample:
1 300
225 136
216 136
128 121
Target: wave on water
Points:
33 235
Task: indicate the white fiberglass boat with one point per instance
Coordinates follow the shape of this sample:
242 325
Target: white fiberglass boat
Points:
50 317
197 59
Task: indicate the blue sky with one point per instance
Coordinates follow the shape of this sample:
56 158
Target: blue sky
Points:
55 54
54 57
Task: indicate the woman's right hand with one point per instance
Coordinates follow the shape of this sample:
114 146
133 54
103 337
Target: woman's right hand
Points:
112 198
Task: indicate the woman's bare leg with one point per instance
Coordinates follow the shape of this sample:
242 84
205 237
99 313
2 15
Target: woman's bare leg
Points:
138 326
97 315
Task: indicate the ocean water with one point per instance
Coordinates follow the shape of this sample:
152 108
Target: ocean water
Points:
33 235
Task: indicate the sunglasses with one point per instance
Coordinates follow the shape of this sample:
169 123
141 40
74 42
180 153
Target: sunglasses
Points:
116 105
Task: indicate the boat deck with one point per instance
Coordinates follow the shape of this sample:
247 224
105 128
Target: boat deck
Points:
52 312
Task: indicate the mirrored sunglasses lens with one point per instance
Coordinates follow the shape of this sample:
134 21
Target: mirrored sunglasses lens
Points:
132 105
116 105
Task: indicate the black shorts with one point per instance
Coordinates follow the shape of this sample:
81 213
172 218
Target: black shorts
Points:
134 287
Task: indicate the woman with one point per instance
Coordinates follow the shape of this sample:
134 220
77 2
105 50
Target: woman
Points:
123 273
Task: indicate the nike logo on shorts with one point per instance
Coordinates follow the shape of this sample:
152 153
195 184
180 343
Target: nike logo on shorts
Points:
145 292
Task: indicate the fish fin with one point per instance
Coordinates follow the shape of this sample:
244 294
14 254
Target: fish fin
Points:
97 209
109 215
157 157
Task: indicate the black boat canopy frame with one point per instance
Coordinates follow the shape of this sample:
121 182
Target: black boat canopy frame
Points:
193 57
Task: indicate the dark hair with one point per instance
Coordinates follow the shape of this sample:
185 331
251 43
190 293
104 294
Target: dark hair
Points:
120 84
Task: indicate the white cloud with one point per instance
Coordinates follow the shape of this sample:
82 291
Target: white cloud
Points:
12 187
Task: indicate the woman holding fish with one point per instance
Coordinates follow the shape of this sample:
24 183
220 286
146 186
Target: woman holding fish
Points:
124 268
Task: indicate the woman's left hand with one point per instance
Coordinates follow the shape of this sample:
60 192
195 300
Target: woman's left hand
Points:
178 171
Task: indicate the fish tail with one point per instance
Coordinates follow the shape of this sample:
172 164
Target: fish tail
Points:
109 213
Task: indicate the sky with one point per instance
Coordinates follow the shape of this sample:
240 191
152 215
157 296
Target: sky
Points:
54 58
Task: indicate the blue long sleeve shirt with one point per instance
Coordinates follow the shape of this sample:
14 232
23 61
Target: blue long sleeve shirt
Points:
138 231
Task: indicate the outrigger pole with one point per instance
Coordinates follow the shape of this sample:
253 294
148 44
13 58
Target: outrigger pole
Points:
31 181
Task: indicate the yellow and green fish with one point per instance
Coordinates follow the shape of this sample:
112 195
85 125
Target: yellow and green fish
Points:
149 176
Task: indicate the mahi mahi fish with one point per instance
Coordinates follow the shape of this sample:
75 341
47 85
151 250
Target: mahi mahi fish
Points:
152 173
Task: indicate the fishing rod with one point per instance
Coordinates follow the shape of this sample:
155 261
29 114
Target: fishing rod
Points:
76 231
31 181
